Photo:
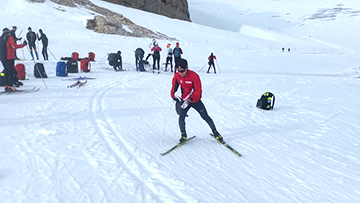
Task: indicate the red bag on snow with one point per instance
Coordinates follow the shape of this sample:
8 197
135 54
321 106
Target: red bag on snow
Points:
91 56
75 56
85 65
20 69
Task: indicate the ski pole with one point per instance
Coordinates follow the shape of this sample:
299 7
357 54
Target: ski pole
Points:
218 66
38 70
202 67
51 53
103 58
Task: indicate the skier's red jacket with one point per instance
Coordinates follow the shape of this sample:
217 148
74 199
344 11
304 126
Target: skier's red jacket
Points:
190 86
11 46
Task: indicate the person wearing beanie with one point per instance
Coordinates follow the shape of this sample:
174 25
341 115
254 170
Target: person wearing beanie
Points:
45 43
190 85
169 57
31 38
7 58
177 51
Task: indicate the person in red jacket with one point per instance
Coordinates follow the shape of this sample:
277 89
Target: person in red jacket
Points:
7 57
190 84
156 56
211 59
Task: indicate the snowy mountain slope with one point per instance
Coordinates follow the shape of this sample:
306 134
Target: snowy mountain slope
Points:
102 142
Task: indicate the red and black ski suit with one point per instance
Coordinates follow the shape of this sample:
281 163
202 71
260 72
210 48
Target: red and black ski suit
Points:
7 56
191 90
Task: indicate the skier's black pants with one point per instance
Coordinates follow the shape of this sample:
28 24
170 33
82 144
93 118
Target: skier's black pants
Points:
9 71
176 59
156 62
211 64
44 53
200 108
168 61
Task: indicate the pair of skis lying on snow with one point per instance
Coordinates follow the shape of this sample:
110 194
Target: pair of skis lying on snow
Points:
34 89
78 84
190 138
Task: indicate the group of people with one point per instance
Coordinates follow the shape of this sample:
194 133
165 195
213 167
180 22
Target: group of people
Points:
8 46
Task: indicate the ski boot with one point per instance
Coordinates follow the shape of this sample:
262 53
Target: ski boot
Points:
183 137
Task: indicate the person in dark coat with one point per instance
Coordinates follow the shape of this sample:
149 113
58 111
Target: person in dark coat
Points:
31 38
211 59
139 55
13 35
45 43
7 58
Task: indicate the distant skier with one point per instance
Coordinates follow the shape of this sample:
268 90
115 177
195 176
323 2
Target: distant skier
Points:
169 57
177 51
31 38
151 46
139 55
45 43
7 57
190 84
115 60
211 59
156 56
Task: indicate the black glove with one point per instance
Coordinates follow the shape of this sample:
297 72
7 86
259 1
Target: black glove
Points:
20 38
25 42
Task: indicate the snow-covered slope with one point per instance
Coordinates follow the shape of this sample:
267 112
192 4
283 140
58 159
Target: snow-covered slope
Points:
102 142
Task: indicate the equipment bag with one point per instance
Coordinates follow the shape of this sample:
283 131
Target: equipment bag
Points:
75 56
39 70
85 65
20 69
2 79
72 66
113 57
91 56
266 101
61 69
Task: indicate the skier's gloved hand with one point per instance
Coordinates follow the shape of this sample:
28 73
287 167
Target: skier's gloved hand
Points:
185 104
25 42
20 38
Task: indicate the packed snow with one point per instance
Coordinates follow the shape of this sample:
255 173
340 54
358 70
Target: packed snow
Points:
102 142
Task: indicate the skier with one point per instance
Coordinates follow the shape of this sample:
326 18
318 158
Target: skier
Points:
169 57
13 35
115 60
31 38
190 84
211 59
151 46
45 43
7 57
139 55
156 56
177 51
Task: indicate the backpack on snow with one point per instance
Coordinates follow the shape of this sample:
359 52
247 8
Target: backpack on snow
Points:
72 66
266 101
39 71
113 57
91 56
85 65
61 69
20 69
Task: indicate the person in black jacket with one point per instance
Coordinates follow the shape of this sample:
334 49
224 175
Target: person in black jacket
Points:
13 35
31 38
45 43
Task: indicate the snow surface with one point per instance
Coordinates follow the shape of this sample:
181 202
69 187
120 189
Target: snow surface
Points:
102 142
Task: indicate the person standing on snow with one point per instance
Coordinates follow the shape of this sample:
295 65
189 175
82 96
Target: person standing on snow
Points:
31 38
151 45
190 84
177 51
169 57
45 43
13 35
211 59
139 55
156 56
7 57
